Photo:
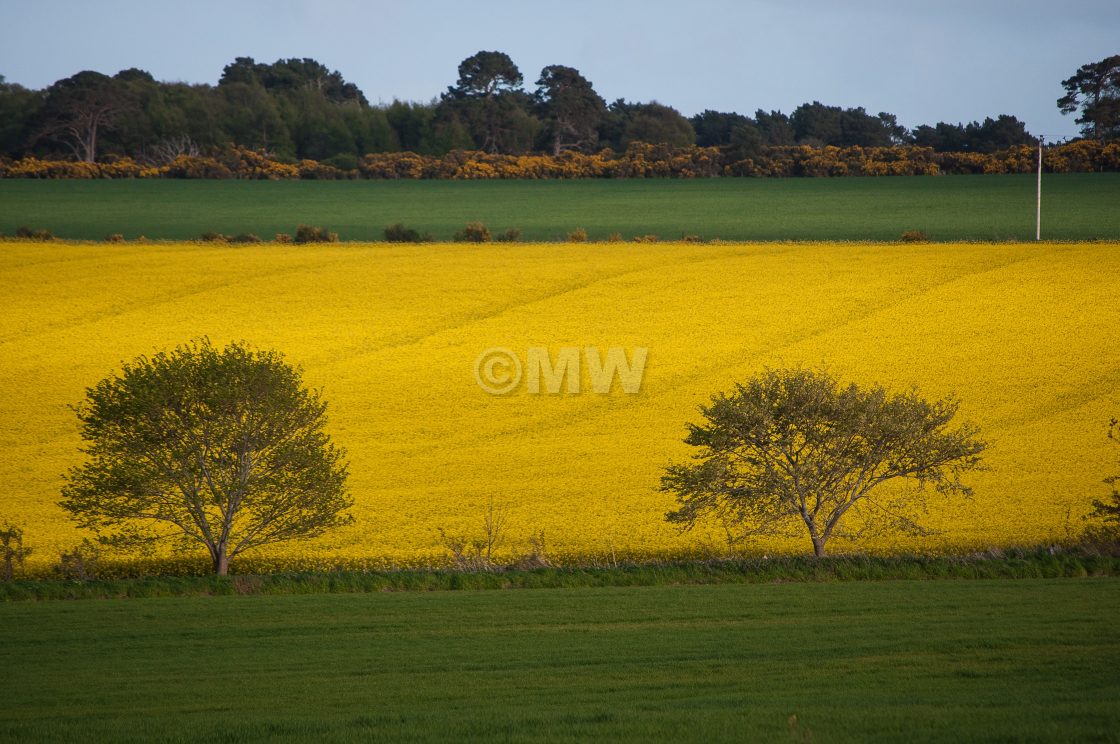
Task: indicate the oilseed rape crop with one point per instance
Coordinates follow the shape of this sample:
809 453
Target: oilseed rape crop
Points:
1025 335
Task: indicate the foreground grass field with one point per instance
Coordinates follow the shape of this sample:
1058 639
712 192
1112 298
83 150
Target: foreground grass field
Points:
1076 207
1027 660
1025 334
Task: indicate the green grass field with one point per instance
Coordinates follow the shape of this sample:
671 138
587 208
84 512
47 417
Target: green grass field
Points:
1075 207
1024 660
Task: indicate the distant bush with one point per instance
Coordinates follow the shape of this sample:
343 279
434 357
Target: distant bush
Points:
579 235
312 234
691 239
614 237
12 551
80 563
213 237
512 235
283 238
914 236
245 238
26 233
646 238
398 233
114 238
473 232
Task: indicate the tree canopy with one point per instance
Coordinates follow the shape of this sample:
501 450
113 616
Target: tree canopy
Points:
219 448
1094 91
795 450
570 107
298 108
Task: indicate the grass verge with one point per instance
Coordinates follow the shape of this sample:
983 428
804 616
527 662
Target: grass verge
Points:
1039 564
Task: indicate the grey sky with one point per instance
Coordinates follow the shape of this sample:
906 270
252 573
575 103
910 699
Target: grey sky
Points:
947 60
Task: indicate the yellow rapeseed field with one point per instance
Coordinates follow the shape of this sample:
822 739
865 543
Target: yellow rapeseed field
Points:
1026 335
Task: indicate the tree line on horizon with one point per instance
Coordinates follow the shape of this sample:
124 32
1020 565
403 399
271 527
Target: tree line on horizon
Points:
296 109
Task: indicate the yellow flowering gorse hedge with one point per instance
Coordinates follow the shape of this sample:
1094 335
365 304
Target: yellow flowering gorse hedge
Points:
639 160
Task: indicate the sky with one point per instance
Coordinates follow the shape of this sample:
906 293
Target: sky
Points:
950 60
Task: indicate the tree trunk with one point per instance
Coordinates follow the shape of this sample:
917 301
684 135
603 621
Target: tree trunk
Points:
818 546
221 562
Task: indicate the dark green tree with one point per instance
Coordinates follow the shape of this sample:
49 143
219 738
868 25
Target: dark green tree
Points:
817 124
569 107
775 127
1094 91
646 122
713 128
412 125
942 137
793 449
80 109
19 109
488 100
987 136
223 448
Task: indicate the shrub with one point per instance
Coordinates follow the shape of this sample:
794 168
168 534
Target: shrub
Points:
213 237
914 236
579 235
691 239
312 234
473 232
346 161
646 238
511 235
27 233
81 563
12 551
398 233
614 237
114 238
245 238
283 238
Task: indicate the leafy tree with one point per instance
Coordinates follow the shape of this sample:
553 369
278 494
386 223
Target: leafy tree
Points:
646 122
775 127
818 124
412 125
252 118
223 448
713 128
997 134
1095 90
570 107
794 447
987 136
746 141
488 100
1107 513
942 137
737 134
80 108
19 108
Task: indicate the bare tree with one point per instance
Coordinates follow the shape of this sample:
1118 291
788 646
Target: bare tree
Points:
793 449
477 553
166 151
222 448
